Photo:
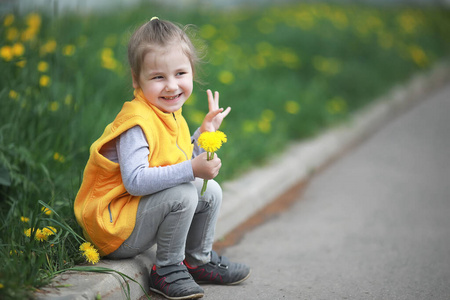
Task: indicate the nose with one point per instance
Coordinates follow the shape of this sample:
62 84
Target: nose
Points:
171 84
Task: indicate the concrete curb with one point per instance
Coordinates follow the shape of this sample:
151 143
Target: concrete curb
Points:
248 194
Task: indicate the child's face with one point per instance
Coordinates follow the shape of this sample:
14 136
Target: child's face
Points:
166 79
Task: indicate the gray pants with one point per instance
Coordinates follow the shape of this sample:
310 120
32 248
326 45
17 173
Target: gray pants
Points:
179 221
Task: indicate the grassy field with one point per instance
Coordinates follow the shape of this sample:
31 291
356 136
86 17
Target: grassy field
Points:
288 72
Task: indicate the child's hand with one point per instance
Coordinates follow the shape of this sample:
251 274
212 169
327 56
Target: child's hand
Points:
215 115
206 169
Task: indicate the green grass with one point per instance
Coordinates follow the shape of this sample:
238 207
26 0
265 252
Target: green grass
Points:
288 72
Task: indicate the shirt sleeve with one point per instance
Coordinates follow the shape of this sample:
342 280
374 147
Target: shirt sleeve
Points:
197 149
138 178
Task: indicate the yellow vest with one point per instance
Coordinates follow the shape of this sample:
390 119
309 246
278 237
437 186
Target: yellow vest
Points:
103 207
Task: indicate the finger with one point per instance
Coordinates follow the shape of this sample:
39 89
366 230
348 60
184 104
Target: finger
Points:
216 99
212 114
226 112
211 104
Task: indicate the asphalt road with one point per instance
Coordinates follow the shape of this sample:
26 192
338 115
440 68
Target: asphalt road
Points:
373 225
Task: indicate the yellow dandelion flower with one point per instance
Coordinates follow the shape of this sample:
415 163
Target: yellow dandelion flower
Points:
46 211
40 235
212 141
1 285
292 107
9 19
42 66
108 60
264 126
48 47
418 56
58 157
54 106
13 94
27 232
49 230
15 252
34 20
44 80
18 49
92 255
7 53
68 99
68 50
85 246
24 219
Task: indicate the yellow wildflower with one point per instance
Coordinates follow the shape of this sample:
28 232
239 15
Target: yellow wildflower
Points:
418 56
212 141
24 219
40 235
27 232
44 80
9 19
68 50
85 246
48 47
18 49
1 285
68 99
91 255
46 211
108 60
49 230
58 157
42 66
13 94
7 53
34 21
54 106
292 107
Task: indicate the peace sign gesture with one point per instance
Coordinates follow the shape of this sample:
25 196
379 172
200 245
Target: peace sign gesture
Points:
215 116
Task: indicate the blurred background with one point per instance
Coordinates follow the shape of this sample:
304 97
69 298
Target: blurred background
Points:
288 69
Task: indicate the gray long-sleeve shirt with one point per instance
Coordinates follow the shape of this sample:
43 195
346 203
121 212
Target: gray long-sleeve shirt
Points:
130 150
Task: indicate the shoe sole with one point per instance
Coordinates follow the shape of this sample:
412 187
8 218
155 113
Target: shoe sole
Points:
193 296
231 283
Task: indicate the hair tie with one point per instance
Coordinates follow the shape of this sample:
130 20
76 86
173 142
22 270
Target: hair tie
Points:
154 18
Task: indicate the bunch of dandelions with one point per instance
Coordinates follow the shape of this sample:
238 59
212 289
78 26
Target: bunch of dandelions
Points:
211 142
41 234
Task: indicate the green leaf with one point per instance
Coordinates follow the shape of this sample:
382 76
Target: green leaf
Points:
5 179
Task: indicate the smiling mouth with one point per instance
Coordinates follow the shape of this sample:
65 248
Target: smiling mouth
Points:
171 97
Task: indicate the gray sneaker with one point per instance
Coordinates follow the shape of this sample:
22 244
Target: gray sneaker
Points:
174 282
220 271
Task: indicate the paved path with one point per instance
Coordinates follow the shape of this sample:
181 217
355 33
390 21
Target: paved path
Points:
373 225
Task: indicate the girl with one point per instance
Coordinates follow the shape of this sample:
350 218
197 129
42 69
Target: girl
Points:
142 182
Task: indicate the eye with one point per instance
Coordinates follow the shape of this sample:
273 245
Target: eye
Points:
181 73
157 77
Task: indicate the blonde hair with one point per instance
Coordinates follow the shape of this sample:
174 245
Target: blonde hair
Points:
156 34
